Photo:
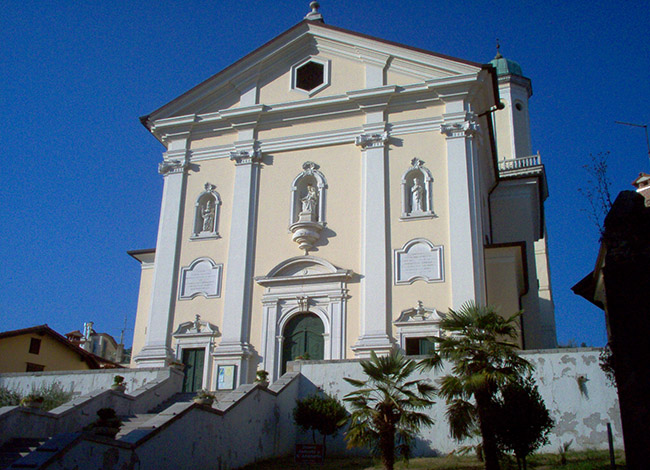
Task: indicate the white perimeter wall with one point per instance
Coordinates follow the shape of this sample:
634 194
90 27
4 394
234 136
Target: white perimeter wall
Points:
581 413
80 382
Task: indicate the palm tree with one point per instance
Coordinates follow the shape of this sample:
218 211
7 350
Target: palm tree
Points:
475 341
386 408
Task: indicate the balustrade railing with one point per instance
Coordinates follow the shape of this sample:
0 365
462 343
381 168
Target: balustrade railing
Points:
520 163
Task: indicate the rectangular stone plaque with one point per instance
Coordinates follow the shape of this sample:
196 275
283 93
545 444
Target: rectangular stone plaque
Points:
202 277
418 260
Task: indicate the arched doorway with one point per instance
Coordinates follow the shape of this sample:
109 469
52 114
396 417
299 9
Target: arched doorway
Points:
303 337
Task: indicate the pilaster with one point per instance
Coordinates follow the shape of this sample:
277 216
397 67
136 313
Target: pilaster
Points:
235 347
465 230
157 350
375 260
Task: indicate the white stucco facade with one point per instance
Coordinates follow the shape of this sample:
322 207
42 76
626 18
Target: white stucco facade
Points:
341 180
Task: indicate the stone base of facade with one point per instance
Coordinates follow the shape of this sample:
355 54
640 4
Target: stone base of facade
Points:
381 344
239 354
154 356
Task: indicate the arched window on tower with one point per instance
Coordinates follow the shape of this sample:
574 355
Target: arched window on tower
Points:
308 192
417 192
206 214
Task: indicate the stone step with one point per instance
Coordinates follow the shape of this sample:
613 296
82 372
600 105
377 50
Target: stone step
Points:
176 398
129 423
16 448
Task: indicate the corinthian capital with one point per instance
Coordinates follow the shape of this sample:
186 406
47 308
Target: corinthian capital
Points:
245 157
171 166
465 128
369 141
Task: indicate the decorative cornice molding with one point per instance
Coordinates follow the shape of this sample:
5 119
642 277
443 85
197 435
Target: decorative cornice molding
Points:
370 141
169 167
246 157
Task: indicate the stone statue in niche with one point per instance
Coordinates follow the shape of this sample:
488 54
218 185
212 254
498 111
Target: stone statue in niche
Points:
417 196
208 216
310 201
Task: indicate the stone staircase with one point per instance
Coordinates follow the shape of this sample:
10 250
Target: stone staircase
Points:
16 448
32 453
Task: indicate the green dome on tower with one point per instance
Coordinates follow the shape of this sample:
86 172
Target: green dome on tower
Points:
506 66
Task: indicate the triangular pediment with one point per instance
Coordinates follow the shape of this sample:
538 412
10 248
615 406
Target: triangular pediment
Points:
269 69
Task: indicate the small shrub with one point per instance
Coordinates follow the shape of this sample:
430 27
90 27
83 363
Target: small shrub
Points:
606 362
53 396
324 414
9 397
522 421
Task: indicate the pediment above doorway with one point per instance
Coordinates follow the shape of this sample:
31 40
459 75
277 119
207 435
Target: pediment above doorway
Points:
304 269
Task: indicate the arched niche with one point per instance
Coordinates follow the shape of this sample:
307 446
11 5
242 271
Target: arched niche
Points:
417 192
303 284
206 213
300 190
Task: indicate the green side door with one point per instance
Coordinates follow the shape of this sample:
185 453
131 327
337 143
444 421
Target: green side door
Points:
193 360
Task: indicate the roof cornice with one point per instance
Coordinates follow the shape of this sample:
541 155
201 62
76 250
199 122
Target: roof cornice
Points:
366 48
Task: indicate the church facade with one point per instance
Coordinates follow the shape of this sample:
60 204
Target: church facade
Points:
329 195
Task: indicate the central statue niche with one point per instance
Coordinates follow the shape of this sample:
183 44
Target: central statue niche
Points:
308 206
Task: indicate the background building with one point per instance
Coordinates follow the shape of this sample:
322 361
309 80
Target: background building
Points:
40 348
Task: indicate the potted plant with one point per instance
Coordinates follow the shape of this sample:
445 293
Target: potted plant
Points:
33 400
107 424
262 378
203 397
118 384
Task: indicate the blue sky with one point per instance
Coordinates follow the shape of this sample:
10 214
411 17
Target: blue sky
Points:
79 186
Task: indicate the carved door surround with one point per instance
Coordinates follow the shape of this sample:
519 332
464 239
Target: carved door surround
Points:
296 286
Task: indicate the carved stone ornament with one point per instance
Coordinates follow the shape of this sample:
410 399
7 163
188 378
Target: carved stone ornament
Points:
171 166
303 303
307 230
465 128
366 141
310 167
245 157
416 163
419 314
197 327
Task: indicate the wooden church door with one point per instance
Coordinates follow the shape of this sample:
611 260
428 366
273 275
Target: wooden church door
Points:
303 337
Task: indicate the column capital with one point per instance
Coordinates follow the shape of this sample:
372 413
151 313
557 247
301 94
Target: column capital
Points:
460 126
369 141
245 157
168 167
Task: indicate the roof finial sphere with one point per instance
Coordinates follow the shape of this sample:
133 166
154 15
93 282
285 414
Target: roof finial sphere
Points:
314 15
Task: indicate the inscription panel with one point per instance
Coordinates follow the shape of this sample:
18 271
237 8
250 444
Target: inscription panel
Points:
202 277
418 260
